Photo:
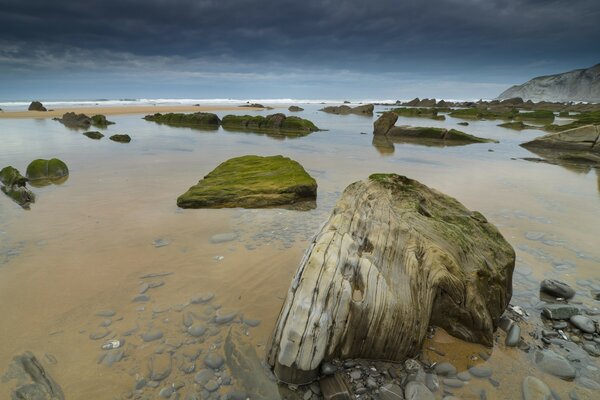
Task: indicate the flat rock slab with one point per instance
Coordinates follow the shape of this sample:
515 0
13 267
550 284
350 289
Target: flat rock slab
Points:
252 182
394 257
583 138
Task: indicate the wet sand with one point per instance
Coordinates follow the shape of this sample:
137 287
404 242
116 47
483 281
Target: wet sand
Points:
121 110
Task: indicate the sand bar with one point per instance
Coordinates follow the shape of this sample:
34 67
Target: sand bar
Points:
119 110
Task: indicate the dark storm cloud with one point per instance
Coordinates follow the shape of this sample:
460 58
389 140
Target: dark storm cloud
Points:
456 37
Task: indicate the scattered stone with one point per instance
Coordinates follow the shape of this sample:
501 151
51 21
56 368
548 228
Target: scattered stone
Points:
159 366
554 364
166 392
140 298
328 368
202 298
445 369
99 335
94 135
100 120
514 336
36 106
334 387
557 289
366 109
214 361
152 335
464 376
120 138
212 386
417 391
196 330
224 317
295 109
559 311
481 371
223 237
453 382
583 323
535 389
76 121
592 349
106 313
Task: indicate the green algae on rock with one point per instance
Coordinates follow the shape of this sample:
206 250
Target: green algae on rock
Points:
516 125
195 120
252 182
431 113
541 116
53 170
366 109
100 120
10 176
94 135
274 123
120 138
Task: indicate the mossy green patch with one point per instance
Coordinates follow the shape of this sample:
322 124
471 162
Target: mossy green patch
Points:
195 120
100 121
52 170
120 138
516 125
432 135
581 119
541 116
94 135
431 113
275 123
252 182
10 176
482 113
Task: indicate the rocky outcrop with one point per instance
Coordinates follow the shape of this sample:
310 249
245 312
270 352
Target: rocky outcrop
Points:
42 171
76 121
431 113
584 138
366 109
517 126
36 106
253 182
200 120
295 109
10 176
274 123
384 126
94 135
13 184
120 138
33 381
577 85
394 258
100 121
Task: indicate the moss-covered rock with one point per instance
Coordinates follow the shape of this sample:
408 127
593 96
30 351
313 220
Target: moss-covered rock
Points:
431 113
366 109
100 120
10 176
541 116
295 109
47 170
252 182
19 194
77 121
517 125
384 123
417 133
94 135
195 120
483 113
582 119
120 138
278 123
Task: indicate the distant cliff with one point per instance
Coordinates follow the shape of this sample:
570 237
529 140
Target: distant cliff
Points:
577 85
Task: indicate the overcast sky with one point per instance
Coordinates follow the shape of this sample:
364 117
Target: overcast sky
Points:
325 49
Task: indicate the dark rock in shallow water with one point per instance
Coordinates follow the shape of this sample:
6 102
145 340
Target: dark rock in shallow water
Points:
196 120
94 135
214 361
100 121
252 182
36 106
559 311
40 386
535 389
276 124
583 323
366 109
428 231
554 364
513 336
557 289
19 194
10 176
152 335
159 366
481 371
445 369
73 120
41 171
295 109
120 138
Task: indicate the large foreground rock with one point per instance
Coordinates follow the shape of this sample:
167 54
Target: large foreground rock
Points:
394 257
366 109
53 170
13 184
252 182
584 138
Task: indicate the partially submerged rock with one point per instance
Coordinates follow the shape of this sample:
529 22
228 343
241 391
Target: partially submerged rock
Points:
41 171
195 120
584 138
431 113
13 184
274 123
253 182
73 120
100 120
36 106
517 125
94 135
394 257
120 138
10 176
366 109
295 109
33 381
384 126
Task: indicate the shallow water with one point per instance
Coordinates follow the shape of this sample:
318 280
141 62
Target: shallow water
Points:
83 246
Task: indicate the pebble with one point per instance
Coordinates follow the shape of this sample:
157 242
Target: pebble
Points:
251 322
535 389
554 364
445 369
166 392
584 323
557 288
592 349
196 330
559 311
139 384
212 385
223 237
417 391
432 382
99 334
453 383
160 243
464 376
214 361
203 376
588 383
160 366
356 374
106 313
202 298
140 298
152 335
225 317
328 368
513 336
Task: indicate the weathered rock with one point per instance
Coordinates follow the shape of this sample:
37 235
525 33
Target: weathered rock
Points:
36 106
100 121
248 369
275 123
73 120
557 289
554 364
417 391
19 194
431 113
334 387
481 371
160 366
295 109
252 182
120 138
583 323
195 120
391 392
40 385
517 126
584 138
445 369
513 336
394 257
366 109
53 170
535 389
10 176
559 311
384 123
94 135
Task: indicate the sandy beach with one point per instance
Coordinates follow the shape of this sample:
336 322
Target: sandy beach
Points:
120 110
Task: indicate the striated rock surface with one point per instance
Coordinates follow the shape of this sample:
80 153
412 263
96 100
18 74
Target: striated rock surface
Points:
36 106
584 138
394 257
253 182
577 85
366 109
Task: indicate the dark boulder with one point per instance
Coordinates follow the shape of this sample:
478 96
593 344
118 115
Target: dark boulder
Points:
73 120
36 106
94 135
120 138
295 109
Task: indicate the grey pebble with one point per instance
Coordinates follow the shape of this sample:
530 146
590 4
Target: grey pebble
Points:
106 313
152 335
196 330
214 361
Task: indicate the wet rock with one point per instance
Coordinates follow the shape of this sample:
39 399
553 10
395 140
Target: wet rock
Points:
195 120
10 176
464 376
223 237
33 381
36 106
589 383
53 170
328 368
100 120
453 382
212 386
202 298
556 288
225 317
152 335
214 361
140 298
251 322
560 311
592 349
106 313
203 376
159 366
120 138
583 138
99 335
514 336
350 272
166 392
111 357
196 330
94 135
583 323
417 391
481 371
295 109
19 194
535 389
445 369
366 109
139 384
554 364
73 120
252 182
